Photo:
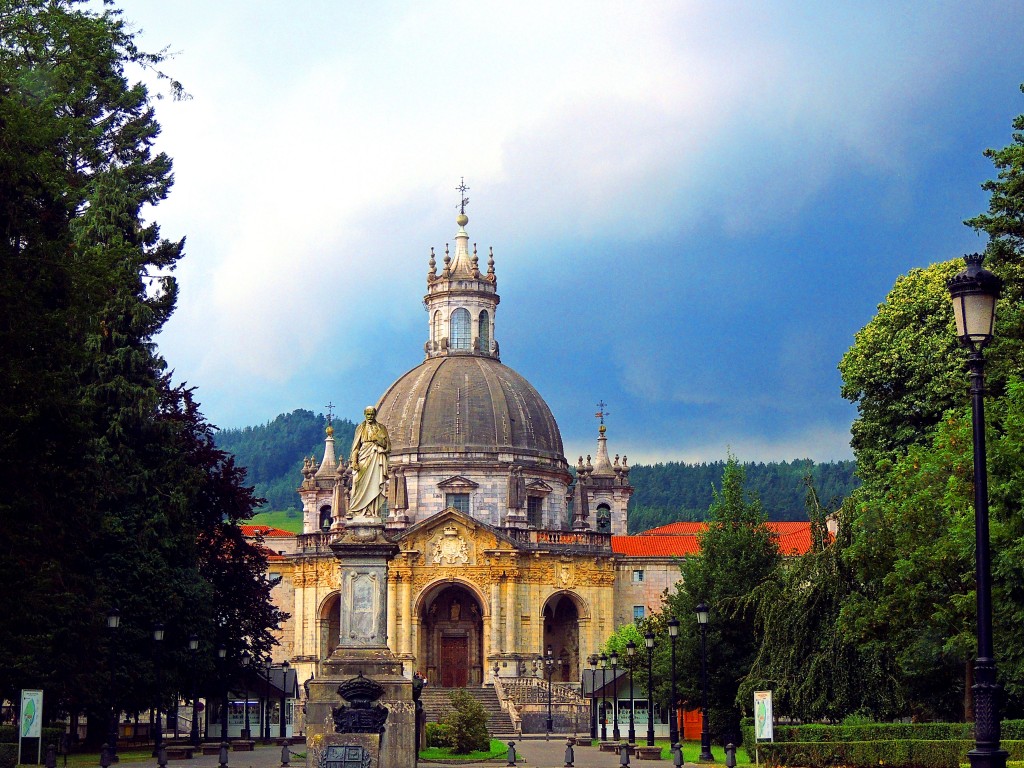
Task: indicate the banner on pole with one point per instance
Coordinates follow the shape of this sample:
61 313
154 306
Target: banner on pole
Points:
763 730
31 714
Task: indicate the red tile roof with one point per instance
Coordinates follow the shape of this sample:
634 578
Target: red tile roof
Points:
682 539
265 531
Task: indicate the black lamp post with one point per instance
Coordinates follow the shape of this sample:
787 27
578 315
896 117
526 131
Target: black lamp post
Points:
193 646
630 652
246 658
592 663
113 622
705 734
615 693
266 700
604 710
285 666
649 642
158 641
974 292
549 667
673 722
222 656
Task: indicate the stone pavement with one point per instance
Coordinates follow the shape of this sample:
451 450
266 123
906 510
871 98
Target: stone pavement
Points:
531 753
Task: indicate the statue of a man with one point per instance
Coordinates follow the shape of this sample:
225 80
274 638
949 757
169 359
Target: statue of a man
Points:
369 465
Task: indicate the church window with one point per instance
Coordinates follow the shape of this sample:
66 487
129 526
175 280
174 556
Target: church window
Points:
460 329
438 330
458 500
638 576
534 511
484 332
638 612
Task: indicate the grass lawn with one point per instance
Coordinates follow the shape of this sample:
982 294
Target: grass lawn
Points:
691 751
281 519
498 749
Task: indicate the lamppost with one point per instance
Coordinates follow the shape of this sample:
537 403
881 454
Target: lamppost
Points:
266 700
615 693
222 656
630 651
649 642
604 710
113 622
974 292
705 734
285 666
592 663
246 658
549 667
158 641
193 646
673 721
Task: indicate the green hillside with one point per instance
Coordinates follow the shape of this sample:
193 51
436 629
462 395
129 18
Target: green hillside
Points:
273 454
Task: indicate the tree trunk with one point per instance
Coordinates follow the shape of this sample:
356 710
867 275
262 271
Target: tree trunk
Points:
969 691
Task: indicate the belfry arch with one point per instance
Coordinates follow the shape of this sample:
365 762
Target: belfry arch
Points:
451 638
562 614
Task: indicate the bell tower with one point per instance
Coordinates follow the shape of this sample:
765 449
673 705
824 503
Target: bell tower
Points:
461 300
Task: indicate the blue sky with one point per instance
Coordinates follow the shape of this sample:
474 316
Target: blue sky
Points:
693 206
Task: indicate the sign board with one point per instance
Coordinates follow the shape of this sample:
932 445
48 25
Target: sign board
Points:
31 714
763 730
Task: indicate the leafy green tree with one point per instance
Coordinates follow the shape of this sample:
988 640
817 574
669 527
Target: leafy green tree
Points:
814 670
114 494
738 554
468 723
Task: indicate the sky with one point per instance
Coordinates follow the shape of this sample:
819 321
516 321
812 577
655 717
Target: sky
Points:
693 206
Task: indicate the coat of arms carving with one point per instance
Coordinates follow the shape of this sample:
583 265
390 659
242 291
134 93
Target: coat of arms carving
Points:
451 548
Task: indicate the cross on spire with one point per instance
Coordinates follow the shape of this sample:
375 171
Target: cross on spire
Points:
601 412
463 189
330 412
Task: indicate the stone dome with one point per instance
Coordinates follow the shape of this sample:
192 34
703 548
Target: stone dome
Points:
469 404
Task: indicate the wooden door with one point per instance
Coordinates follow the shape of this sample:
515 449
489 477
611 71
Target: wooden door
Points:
454 662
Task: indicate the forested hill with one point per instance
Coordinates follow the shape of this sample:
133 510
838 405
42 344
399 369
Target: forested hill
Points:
273 452
675 491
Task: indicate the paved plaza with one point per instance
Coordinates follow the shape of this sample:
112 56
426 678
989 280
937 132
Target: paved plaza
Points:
534 753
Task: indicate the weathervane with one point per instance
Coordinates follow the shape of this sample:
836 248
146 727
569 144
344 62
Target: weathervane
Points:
601 412
462 188
330 411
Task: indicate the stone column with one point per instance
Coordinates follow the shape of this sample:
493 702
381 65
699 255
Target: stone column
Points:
394 585
510 616
407 644
495 619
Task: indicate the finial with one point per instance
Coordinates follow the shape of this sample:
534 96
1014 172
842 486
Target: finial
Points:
601 412
490 262
602 429
330 412
432 263
462 189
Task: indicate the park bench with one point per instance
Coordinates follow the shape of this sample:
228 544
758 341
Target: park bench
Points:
584 742
211 749
610 746
648 753
243 745
179 752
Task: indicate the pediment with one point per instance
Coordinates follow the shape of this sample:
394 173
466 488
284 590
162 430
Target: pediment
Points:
538 487
457 483
453 524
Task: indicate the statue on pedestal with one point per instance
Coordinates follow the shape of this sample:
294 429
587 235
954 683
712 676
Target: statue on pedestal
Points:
369 466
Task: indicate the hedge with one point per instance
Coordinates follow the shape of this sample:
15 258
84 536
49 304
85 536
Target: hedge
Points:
893 753
1012 730
438 735
51 735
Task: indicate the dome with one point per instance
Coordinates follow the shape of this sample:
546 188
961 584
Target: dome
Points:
469 404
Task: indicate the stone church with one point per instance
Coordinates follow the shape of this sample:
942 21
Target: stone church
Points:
504 553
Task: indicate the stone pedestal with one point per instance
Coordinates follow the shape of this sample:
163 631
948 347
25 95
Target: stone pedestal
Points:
360 711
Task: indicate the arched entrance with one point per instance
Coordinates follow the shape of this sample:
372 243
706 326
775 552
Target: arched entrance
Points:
452 637
562 633
329 625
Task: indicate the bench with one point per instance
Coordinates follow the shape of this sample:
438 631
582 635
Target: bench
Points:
179 753
243 745
584 742
610 746
648 753
211 749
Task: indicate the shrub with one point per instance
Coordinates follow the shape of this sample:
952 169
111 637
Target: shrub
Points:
8 755
439 735
893 753
468 721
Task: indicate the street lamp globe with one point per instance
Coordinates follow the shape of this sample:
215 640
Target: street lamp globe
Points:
702 613
974 292
649 639
193 642
113 619
673 627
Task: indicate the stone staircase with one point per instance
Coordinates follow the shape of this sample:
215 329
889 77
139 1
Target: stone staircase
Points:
436 705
